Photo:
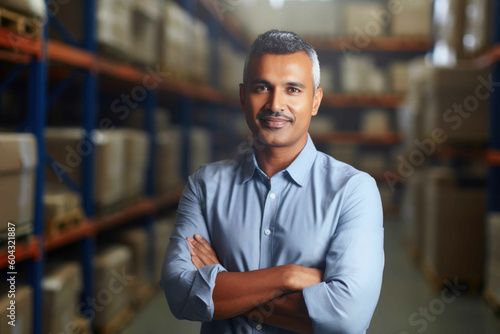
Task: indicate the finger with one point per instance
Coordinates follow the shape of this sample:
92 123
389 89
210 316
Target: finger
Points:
201 249
196 261
205 243
205 257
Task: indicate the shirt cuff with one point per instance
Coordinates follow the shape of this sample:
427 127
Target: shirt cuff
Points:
200 303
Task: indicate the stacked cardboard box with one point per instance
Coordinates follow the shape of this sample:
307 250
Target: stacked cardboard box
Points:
361 75
135 162
399 76
28 7
457 102
113 278
477 27
61 286
146 17
23 313
231 74
115 26
200 67
136 240
68 146
201 148
454 225
375 121
17 179
62 210
412 19
168 160
361 19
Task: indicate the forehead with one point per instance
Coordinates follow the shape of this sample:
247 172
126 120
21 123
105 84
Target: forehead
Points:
271 67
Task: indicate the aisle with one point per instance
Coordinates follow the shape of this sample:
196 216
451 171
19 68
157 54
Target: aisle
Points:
404 292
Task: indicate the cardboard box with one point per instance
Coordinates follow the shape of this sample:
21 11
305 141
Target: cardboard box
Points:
112 283
201 148
114 22
145 29
28 7
361 19
136 162
361 75
17 179
399 76
23 312
136 240
163 230
67 146
62 287
454 104
168 160
56 204
375 121
454 225
414 19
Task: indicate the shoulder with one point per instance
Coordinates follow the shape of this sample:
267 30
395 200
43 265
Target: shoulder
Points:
340 173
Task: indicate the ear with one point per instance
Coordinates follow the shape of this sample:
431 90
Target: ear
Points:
242 96
318 96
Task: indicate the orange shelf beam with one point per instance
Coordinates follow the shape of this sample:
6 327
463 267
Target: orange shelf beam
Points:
360 138
80 232
493 157
20 45
349 44
363 100
70 55
22 252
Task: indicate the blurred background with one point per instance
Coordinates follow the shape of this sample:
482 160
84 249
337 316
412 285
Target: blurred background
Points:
107 106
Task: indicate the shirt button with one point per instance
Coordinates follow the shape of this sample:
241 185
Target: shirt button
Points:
273 196
267 232
258 327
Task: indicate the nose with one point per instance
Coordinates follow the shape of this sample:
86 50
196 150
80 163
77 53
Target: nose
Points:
276 101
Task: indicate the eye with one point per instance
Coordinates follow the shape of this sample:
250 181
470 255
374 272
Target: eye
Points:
261 88
293 90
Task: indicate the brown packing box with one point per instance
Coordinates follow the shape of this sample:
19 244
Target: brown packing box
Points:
168 160
448 29
65 146
450 88
112 282
59 203
61 286
136 162
163 230
17 180
412 19
477 27
137 241
24 311
454 226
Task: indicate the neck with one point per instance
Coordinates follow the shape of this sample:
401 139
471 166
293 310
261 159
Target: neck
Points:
273 159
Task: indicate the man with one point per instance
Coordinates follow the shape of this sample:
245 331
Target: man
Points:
284 238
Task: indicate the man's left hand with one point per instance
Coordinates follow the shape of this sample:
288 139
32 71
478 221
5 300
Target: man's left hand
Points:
202 254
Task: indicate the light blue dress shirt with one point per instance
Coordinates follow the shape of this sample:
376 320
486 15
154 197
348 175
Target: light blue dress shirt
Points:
318 212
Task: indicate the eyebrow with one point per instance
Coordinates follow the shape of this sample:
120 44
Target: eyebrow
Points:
290 83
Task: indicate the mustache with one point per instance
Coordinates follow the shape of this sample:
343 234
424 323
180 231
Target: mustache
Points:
270 113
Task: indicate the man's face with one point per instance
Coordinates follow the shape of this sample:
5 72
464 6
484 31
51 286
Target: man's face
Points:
279 98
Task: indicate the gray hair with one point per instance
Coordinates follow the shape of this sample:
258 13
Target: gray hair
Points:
282 43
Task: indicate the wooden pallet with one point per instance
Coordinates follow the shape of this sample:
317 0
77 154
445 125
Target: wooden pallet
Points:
492 300
118 323
20 24
61 223
438 282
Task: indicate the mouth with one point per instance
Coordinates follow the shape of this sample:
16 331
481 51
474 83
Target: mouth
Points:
274 122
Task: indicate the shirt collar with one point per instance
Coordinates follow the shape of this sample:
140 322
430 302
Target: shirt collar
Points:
297 170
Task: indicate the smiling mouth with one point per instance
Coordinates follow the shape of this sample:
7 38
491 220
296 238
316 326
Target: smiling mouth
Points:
274 122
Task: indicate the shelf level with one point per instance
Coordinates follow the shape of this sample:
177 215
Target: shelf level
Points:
392 100
19 45
349 44
359 138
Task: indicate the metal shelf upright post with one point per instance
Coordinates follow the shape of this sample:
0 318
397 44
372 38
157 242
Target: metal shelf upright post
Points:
89 116
37 111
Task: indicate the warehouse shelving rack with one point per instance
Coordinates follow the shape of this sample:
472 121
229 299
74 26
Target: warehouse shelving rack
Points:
33 54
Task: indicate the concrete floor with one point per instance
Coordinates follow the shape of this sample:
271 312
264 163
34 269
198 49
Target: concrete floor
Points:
405 292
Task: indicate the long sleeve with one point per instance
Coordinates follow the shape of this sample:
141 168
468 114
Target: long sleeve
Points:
188 290
346 300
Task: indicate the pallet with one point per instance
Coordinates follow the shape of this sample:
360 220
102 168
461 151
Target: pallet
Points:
438 282
118 323
492 300
20 24
62 223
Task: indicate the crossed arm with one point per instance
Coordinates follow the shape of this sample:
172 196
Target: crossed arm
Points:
272 296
